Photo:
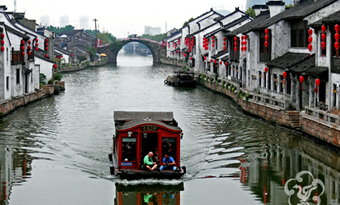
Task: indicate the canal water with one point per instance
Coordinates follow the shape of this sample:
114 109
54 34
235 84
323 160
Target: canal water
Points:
54 151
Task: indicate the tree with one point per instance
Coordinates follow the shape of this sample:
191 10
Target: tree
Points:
158 37
186 22
106 37
251 12
59 30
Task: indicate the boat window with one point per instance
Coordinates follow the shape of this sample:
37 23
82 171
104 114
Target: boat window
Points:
129 146
169 146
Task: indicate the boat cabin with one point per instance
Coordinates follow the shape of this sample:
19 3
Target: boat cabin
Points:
138 133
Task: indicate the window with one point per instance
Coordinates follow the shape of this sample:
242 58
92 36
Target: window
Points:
275 83
7 54
323 52
265 80
169 147
129 145
260 78
281 84
265 53
299 34
7 82
18 76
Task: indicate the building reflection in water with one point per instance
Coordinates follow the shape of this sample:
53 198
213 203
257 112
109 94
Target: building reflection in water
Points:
15 167
145 194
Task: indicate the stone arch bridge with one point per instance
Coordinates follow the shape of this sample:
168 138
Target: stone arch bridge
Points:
112 49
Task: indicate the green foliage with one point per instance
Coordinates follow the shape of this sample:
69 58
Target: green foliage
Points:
240 94
116 45
217 81
289 6
51 81
251 12
42 78
231 88
247 97
211 80
57 76
82 57
223 83
93 53
158 37
203 76
228 84
59 30
233 91
92 32
186 22
106 37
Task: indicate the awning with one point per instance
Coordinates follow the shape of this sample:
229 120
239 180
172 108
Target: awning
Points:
219 54
26 70
304 65
318 72
103 54
288 60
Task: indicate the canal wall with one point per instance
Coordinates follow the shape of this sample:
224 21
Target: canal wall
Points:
174 62
9 105
274 110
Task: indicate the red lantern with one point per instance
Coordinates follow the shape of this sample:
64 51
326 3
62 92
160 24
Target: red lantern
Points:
310 39
226 64
29 47
323 45
235 49
46 40
266 44
235 39
210 60
224 38
22 42
336 36
46 48
36 44
36 48
2 35
23 53
55 66
29 53
213 37
220 62
310 32
2 42
266 70
2 48
323 28
323 36
224 48
214 61
46 56
224 43
317 82
36 40
22 47
266 31
205 58
301 81
337 27
310 47
29 42
266 37
284 74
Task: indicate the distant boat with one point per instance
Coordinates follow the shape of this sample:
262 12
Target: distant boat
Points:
182 79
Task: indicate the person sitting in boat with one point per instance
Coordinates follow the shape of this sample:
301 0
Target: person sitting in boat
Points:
168 163
148 162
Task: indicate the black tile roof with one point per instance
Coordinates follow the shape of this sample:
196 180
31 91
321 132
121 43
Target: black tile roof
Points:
219 54
321 72
71 33
257 6
248 26
288 60
331 19
225 58
14 31
304 65
297 12
229 25
275 3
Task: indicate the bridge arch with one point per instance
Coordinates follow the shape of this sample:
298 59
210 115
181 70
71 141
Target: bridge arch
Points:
112 49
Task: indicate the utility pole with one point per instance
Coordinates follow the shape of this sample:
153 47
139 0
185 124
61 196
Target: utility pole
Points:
95 24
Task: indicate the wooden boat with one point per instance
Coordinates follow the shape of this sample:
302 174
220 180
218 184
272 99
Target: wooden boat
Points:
137 134
182 79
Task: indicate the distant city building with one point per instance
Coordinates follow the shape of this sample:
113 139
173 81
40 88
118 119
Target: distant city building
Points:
251 3
64 21
45 20
84 22
152 30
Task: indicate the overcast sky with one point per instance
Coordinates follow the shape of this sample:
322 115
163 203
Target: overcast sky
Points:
123 16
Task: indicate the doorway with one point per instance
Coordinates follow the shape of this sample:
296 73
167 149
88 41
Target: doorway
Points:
149 144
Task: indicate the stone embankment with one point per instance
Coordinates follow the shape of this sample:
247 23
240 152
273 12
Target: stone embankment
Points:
317 123
174 62
9 105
